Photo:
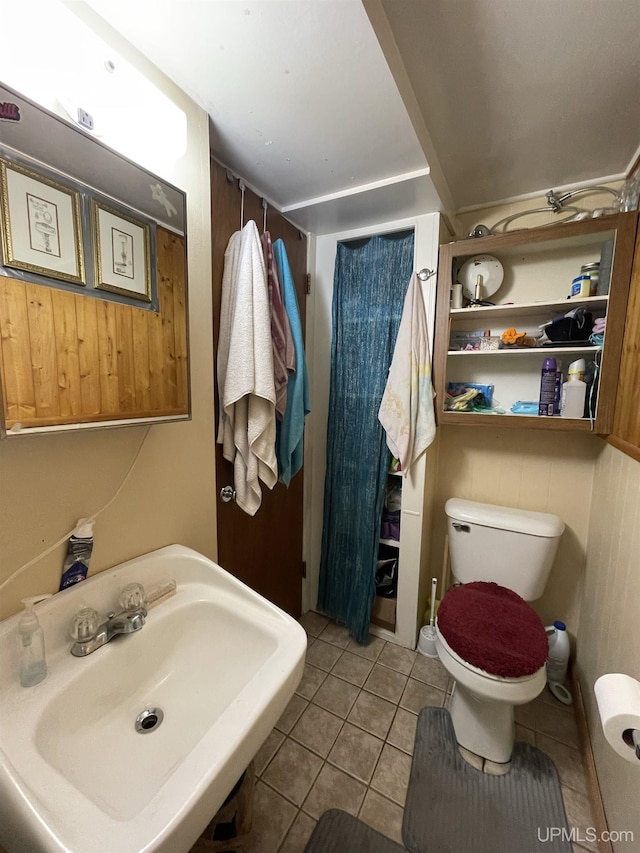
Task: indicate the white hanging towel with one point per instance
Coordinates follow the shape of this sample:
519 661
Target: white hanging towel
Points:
247 422
406 411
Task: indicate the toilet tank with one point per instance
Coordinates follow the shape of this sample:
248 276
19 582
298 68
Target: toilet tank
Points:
512 547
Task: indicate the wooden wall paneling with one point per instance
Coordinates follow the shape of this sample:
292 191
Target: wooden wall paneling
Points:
165 294
180 329
67 352
124 354
157 385
15 353
68 357
107 357
617 312
141 369
88 356
171 250
43 350
626 429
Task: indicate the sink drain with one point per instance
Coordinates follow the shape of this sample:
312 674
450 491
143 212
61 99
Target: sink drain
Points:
149 720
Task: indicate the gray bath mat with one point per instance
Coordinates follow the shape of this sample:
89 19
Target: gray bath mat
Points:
453 808
339 832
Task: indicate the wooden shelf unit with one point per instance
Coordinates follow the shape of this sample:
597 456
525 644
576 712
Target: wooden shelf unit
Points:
537 263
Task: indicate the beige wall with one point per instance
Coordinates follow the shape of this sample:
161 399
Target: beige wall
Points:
609 636
48 481
529 469
595 582
492 214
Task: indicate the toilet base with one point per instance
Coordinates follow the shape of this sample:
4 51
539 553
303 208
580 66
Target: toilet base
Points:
482 726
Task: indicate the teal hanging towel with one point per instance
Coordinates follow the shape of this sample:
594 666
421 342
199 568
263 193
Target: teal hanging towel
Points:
370 282
290 431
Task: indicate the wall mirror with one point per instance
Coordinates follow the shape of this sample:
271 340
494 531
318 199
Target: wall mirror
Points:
93 281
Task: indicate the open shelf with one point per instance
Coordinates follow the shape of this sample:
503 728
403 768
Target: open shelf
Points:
509 419
528 309
539 265
540 352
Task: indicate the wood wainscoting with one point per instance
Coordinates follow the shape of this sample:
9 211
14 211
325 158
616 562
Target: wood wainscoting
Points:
71 358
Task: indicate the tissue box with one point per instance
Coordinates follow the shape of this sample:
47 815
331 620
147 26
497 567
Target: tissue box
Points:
490 343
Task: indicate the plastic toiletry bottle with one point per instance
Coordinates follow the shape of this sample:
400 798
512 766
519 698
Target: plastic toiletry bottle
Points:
559 649
32 660
574 391
547 387
79 548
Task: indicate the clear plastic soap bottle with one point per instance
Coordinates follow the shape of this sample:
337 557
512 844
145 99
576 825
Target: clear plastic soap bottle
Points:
32 660
574 391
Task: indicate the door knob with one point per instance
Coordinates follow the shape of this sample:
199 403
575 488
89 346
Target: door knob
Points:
227 493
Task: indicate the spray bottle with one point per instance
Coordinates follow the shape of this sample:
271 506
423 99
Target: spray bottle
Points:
547 386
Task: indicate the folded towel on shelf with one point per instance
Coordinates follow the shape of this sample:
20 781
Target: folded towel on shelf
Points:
406 411
247 423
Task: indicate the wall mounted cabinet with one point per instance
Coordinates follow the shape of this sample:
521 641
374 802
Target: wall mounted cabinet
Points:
626 427
104 341
539 266
68 358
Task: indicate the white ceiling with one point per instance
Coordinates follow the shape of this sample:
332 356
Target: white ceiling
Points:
471 100
521 95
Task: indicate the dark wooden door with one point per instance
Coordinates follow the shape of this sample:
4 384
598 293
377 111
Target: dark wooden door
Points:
264 550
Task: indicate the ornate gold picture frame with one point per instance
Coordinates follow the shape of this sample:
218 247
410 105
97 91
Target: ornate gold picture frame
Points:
122 249
41 224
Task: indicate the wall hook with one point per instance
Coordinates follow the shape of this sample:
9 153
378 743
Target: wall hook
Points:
241 185
425 274
265 205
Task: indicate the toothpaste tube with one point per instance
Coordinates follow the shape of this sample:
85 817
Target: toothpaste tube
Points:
76 561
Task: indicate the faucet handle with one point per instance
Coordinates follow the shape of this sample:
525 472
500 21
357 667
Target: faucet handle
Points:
133 597
85 625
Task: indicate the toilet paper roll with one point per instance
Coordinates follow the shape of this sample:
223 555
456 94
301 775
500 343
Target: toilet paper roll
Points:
618 698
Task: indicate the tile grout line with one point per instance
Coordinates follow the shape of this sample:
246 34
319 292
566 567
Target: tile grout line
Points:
385 740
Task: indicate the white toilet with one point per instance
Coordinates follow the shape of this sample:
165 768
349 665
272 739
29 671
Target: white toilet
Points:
490 641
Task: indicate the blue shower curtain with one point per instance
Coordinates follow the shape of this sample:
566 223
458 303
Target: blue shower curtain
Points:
370 282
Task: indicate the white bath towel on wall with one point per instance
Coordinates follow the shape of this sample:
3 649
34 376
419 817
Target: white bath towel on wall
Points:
247 423
406 411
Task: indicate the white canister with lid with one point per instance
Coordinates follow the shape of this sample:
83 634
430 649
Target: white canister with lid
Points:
593 271
581 286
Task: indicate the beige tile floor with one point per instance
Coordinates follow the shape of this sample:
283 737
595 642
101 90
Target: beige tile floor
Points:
346 739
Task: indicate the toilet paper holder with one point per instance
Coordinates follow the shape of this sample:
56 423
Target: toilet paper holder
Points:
618 699
632 738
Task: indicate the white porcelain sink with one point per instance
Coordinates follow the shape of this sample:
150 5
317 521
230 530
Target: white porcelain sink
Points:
220 662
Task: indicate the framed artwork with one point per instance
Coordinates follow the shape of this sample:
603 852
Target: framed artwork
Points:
41 226
122 252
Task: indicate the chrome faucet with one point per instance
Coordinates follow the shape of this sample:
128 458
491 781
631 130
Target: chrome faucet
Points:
90 634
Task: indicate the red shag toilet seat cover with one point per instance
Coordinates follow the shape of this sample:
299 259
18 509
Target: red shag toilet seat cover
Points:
493 628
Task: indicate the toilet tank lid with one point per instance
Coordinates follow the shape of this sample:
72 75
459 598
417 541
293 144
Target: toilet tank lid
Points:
542 524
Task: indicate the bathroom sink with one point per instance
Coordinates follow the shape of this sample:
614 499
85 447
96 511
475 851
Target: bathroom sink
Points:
210 672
